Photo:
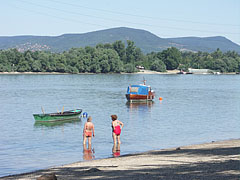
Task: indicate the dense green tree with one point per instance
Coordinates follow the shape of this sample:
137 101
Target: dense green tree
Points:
158 65
114 61
100 45
231 64
217 54
105 67
119 47
44 59
86 62
3 59
219 65
71 69
60 67
129 68
138 55
80 67
130 52
171 57
28 58
3 68
36 66
53 58
89 50
107 46
23 65
95 66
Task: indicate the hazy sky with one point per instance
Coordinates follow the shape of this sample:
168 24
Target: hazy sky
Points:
165 18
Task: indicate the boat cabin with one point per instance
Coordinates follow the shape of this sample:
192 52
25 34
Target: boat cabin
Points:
139 93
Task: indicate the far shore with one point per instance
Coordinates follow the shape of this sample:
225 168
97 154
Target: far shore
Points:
214 160
140 72
58 73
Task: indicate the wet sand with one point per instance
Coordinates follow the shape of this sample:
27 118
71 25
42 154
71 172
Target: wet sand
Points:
216 160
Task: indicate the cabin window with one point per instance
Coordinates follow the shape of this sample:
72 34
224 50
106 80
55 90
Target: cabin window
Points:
134 89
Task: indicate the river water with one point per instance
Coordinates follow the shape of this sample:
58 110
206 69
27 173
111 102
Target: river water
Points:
195 109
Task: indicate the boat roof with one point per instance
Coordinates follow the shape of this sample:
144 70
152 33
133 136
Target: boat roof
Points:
139 85
138 89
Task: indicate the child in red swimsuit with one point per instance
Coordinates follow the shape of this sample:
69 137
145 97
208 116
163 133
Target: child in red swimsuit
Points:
117 128
88 131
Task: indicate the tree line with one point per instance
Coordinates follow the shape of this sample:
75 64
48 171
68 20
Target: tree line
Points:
115 57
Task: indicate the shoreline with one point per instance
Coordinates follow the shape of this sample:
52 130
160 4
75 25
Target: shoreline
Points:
140 72
214 160
57 73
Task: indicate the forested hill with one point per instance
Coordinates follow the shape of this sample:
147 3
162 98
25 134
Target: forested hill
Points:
207 44
145 40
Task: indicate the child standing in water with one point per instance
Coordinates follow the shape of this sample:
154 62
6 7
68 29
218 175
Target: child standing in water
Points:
88 131
116 128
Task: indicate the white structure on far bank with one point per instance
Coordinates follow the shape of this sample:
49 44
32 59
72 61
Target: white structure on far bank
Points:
199 71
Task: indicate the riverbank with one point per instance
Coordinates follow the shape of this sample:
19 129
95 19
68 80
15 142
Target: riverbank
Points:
215 160
57 73
140 72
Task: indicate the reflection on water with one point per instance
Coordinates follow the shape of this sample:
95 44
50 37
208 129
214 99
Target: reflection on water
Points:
56 123
137 105
116 150
140 106
88 152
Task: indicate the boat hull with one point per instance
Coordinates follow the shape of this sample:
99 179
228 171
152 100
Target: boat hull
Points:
67 115
55 123
137 97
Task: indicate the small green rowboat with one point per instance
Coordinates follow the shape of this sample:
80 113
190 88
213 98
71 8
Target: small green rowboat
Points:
59 116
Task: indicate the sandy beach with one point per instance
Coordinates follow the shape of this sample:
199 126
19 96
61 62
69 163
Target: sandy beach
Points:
215 160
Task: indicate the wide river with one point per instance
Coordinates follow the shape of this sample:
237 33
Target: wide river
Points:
195 109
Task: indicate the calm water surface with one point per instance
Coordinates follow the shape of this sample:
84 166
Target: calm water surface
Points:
195 109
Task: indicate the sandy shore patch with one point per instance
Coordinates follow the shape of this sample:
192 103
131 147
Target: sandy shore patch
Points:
155 72
215 160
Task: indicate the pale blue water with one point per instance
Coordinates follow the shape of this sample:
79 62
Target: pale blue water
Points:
195 109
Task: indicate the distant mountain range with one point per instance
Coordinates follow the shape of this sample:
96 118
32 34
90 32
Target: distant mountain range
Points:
145 40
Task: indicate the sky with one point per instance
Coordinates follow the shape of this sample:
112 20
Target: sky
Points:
164 18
